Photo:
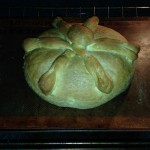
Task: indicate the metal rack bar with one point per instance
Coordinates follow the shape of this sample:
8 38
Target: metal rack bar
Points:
74 12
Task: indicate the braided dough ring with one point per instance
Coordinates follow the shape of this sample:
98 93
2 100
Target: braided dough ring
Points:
79 65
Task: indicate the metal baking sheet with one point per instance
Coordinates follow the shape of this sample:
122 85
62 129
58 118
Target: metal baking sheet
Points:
20 107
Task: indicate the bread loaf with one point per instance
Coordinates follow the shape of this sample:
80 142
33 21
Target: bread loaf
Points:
79 65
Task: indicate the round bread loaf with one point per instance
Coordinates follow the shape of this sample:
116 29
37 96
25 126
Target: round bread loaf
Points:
79 65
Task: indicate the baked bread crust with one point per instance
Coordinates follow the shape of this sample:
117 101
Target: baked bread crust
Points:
79 65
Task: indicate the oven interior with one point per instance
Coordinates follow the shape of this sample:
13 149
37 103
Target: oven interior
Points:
20 107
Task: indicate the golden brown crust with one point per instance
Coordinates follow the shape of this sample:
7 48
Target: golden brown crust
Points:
79 65
114 46
92 23
80 35
102 81
47 80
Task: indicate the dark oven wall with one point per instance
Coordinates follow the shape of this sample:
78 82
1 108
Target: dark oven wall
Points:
74 8
72 3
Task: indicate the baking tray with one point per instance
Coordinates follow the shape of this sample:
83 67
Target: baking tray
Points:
21 109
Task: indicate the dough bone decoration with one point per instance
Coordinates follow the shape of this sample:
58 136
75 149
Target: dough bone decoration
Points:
79 65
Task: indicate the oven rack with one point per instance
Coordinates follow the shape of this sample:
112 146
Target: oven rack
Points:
82 12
